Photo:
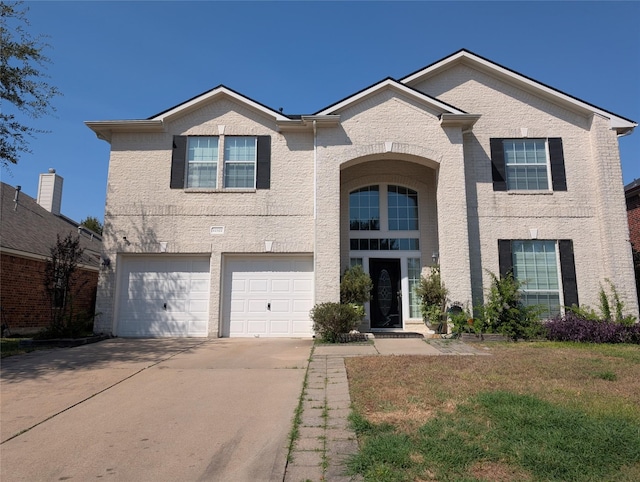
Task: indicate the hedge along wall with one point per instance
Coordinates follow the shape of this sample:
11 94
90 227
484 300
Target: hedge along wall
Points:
24 302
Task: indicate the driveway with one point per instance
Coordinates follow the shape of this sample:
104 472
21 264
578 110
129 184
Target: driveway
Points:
152 410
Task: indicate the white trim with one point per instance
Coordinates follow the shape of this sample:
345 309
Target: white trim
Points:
395 85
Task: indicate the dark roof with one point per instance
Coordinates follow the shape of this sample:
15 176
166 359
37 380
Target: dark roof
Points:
31 229
632 188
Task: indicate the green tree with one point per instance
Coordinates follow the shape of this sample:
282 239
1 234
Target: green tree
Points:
22 65
93 224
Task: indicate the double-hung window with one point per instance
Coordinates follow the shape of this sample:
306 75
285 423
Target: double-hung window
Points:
202 162
528 165
240 162
546 270
247 162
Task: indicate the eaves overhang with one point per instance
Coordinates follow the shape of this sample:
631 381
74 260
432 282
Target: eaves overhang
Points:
621 125
105 129
307 122
464 121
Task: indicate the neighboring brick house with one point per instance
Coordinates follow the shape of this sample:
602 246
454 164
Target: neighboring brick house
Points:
632 193
225 217
28 230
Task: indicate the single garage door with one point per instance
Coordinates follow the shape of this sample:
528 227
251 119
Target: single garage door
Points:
268 297
161 296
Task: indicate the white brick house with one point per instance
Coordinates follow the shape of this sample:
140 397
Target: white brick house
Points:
227 218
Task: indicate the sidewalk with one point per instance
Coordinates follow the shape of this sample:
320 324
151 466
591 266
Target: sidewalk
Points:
325 440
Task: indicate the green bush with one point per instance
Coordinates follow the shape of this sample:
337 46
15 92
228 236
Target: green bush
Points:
355 286
505 313
433 297
332 319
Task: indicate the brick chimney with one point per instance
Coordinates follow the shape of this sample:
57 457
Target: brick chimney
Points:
50 191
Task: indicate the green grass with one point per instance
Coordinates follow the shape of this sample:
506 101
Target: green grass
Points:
11 346
541 440
529 412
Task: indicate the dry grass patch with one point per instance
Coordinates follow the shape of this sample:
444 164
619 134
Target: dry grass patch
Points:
531 411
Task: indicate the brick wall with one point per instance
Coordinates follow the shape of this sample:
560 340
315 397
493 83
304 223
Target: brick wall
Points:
25 306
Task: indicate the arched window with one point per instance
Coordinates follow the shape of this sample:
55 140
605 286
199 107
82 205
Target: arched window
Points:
364 209
402 208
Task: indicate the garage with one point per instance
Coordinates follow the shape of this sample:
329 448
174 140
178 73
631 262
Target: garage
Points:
268 297
163 297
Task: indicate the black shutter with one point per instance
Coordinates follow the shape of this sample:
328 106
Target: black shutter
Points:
556 159
505 259
498 169
568 270
263 176
178 159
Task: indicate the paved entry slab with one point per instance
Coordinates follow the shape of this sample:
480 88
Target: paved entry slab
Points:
405 346
160 410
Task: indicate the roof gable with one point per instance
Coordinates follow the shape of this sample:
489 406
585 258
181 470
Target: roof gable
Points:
620 124
390 84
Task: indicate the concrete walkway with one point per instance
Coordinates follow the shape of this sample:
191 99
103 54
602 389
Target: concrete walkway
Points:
325 440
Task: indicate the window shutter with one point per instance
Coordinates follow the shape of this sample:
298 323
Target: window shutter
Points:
498 169
263 176
568 271
178 159
556 159
505 259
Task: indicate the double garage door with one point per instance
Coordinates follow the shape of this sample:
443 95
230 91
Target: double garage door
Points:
169 296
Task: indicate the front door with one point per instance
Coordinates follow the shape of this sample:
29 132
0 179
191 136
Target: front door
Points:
386 300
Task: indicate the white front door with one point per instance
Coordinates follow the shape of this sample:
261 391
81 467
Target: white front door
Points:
268 296
162 297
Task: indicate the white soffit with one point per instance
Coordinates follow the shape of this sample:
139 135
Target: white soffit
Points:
394 85
620 124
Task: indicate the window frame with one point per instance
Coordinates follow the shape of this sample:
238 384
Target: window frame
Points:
556 174
226 162
189 162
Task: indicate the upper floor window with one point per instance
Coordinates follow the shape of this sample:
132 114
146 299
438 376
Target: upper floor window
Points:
364 209
528 164
247 162
202 162
402 208
240 162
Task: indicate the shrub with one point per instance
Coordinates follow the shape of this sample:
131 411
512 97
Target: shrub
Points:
572 327
433 296
505 313
355 286
332 319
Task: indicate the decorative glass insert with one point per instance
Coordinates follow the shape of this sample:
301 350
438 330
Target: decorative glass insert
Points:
402 207
526 164
384 244
240 162
385 292
413 273
364 209
202 162
535 264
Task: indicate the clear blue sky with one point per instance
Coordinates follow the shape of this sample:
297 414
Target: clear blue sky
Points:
131 60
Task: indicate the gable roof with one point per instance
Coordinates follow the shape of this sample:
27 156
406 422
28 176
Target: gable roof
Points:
390 84
30 230
620 124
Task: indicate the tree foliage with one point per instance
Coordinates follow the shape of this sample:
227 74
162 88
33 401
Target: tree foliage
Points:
22 65
59 283
93 224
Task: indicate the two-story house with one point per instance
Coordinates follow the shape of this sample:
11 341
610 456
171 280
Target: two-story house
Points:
225 217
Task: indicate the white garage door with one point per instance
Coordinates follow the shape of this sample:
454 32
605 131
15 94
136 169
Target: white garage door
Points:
162 296
268 297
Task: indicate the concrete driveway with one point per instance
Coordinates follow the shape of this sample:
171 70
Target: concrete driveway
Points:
152 410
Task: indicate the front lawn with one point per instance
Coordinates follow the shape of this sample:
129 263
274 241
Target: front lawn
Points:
531 411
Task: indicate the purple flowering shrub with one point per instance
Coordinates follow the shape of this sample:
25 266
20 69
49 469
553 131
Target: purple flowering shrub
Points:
572 327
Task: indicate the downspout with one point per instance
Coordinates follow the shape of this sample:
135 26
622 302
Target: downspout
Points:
315 169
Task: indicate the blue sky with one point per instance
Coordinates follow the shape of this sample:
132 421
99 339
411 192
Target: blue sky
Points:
131 60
